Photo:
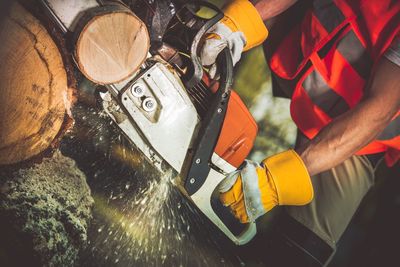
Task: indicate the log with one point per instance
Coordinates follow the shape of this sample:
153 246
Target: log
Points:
33 87
111 45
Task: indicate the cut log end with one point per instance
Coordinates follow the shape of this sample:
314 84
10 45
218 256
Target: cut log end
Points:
112 46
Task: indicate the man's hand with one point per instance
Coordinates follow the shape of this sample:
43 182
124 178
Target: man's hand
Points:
257 188
241 29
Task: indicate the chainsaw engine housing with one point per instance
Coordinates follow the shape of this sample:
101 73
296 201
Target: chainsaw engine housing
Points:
167 131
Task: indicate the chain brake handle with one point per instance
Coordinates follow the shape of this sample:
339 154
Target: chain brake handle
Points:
224 59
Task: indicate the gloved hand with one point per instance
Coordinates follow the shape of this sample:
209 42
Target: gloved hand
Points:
241 29
256 188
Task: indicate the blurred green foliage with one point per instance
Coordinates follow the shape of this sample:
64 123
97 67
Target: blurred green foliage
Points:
251 73
253 83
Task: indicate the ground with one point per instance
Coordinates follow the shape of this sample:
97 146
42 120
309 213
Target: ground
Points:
44 213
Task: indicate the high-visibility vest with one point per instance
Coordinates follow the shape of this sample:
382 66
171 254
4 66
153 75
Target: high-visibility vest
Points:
324 59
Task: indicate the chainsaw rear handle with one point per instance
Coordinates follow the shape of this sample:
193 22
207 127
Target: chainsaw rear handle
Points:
202 190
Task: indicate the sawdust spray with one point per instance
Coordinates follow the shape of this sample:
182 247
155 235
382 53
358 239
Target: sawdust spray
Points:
140 218
155 227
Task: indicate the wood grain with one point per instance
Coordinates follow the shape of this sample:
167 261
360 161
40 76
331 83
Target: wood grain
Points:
112 45
33 87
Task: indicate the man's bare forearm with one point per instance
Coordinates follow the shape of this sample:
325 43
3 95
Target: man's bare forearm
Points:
353 130
271 8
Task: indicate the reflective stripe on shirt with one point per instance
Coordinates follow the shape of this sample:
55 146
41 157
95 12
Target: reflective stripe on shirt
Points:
393 52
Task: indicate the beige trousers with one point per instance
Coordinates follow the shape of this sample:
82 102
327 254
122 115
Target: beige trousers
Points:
337 195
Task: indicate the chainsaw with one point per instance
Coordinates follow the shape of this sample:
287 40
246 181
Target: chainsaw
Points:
172 111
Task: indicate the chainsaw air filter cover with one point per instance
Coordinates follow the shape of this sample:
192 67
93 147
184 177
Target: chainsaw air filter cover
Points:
238 132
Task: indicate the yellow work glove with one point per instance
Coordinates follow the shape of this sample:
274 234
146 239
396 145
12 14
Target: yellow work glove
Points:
241 29
256 188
